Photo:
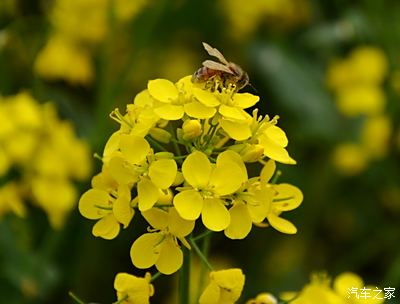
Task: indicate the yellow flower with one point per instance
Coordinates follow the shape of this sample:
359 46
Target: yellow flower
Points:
375 135
10 200
170 98
208 184
56 196
251 204
350 159
361 100
320 291
160 247
136 290
266 134
263 298
109 203
365 66
225 287
63 59
130 165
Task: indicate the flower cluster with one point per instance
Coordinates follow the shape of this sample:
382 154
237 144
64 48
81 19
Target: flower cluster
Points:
357 83
78 26
40 156
179 156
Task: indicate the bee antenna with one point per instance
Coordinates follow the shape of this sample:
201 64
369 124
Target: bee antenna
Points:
254 89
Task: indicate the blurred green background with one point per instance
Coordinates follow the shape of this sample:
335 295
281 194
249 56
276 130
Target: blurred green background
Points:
91 56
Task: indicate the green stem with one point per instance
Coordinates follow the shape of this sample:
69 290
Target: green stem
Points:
174 141
184 278
202 235
200 254
75 298
155 144
155 276
203 270
276 177
121 300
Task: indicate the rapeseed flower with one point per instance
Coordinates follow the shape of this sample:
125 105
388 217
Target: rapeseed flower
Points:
208 185
45 155
134 290
109 203
160 246
225 287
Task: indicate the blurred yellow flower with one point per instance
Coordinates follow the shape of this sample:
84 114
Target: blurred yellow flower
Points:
347 288
361 100
263 298
375 136
349 158
243 19
46 155
62 58
11 200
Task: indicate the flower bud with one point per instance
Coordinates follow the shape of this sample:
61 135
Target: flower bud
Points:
252 153
191 129
266 298
160 135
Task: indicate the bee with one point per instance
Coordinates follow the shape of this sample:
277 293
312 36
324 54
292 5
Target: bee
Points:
228 73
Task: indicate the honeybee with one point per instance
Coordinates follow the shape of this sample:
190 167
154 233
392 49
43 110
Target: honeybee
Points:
228 73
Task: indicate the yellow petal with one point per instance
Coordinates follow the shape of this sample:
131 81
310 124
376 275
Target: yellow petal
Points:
162 90
275 151
122 171
178 226
169 112
230 156
245 100
289 197
156 217
232 112
196 169
189 204
226 178
215 216
236 130
267 171
231 282
106 228
144 252
137 289
211 294
259 204
112 145
281 224
345 281
277 135
198 110
143 99
205 97
148 194
122 209
240 225
90 202
171 257
163 172
134 148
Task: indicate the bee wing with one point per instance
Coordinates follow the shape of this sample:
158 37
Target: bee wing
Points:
216 66
214 52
